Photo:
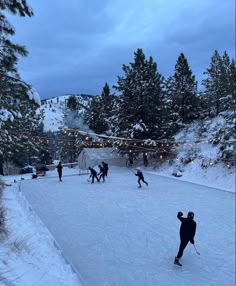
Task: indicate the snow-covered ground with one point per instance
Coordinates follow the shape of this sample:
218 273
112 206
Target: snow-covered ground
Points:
29 256
116 234
217 176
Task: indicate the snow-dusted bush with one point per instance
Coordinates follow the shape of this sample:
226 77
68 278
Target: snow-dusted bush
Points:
3 230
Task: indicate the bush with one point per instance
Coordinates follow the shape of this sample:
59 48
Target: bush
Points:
3 230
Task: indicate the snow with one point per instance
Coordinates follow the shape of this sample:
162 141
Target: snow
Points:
5 115
54 110
33 95
116 234
217 176
30 255
53 117
73 233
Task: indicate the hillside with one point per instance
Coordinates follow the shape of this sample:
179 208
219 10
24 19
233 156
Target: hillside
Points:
201 162
54 111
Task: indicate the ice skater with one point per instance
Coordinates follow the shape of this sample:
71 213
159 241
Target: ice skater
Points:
187 233
59 170
106 168
93 174
102 173
140 176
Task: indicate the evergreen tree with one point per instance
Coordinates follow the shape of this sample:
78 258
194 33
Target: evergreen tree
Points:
106 101
18 101
212 84
232 88
171 116
220 84
107 104
72 103
185 102
140 108
94 117
227 83
99 115
227 139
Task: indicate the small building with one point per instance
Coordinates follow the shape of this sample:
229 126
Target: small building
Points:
90 157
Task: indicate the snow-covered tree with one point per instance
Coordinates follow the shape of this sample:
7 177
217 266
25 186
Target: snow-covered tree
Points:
220 84
140 109
171 116
72 103
94 117
18 100
184 96
227 83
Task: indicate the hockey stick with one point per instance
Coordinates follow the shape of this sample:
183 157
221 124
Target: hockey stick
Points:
196 249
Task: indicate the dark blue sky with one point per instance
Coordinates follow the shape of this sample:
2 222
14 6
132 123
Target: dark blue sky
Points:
76 46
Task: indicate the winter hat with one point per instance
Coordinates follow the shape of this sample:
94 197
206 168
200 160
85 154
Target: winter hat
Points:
138 169
191 215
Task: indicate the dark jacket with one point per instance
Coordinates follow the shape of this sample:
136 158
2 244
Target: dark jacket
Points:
187 228
93 172
105 165
102 170
59 168
140 175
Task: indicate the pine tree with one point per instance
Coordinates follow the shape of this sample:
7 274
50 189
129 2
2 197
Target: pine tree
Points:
141 98
212 84
17 98
185 101
232 87
171 116
72 103
220 83
106 102
227 83
94 117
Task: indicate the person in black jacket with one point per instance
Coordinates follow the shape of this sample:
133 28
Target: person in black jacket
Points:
106 168
101 173
93 174
59 170
187 233
140 177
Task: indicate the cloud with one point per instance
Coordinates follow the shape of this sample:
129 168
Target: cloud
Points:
80 45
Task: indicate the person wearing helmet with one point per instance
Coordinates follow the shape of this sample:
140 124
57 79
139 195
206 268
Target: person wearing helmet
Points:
140 176
187 233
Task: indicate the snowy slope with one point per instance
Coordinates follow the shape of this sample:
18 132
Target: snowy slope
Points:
30 256
54 110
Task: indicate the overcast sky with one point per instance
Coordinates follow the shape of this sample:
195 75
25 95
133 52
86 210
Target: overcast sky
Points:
77 46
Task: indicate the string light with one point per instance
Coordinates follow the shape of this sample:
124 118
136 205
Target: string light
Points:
152 146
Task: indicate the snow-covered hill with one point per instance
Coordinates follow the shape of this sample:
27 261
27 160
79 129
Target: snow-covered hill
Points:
197 159
54 110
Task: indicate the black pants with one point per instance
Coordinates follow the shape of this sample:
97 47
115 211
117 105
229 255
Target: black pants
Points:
60 175
102 176
95 176
142 181
183 244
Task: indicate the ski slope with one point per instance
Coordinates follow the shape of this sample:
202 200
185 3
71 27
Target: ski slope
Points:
115 234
